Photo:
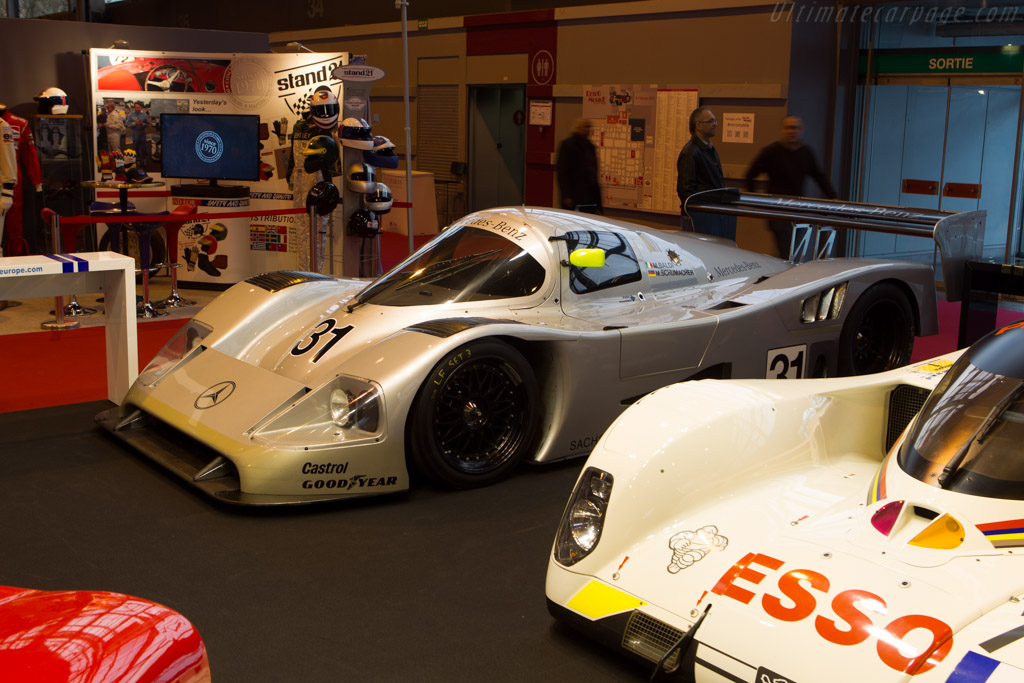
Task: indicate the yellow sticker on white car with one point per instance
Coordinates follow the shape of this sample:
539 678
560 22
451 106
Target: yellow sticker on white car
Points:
597 600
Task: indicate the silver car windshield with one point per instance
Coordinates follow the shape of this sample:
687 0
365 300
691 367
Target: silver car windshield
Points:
968 436
465 264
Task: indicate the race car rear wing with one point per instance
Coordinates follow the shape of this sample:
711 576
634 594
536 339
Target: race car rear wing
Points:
958 236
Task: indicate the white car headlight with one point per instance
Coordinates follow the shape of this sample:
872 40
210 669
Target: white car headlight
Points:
583 520
342 411
345 409
185 343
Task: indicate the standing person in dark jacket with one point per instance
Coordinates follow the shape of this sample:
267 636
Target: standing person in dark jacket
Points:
787 162
699 168
577 170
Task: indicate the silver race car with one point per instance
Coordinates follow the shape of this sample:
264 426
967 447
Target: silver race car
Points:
516 333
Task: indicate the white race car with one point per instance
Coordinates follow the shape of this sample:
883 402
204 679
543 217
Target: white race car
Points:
517 333
778 532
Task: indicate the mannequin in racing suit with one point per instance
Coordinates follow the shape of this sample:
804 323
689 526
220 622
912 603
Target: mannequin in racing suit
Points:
300 182
320 118
28 169
8 179
8 175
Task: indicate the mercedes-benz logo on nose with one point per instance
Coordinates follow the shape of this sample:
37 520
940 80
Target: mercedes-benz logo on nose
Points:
215 395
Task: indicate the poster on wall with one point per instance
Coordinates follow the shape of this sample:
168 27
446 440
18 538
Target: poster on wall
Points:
673 131
738 128
638 131
132 90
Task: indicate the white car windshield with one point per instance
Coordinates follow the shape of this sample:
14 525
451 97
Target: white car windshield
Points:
464 264
969 433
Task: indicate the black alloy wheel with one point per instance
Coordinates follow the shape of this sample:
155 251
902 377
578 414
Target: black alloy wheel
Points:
878 335
475 416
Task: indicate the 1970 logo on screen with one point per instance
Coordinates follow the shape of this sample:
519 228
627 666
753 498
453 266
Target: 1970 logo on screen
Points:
209 146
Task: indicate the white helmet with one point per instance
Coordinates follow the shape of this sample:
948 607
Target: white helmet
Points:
356 133
324 108
378 201
52 101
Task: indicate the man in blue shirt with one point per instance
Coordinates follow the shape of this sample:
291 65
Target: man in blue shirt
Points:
137 122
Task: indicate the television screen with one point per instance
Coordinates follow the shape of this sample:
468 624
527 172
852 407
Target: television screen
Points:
211 146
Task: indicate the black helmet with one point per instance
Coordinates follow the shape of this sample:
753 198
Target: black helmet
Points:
321 153
379 201
360 178
324 196
363 223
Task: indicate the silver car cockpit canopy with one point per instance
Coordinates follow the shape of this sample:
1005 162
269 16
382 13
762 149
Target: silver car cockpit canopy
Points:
466 263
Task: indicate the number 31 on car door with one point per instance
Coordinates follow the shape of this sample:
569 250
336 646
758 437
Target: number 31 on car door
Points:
786 363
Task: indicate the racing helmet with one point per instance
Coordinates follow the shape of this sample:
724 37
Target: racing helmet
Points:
363 223
218 231
360 178
356 133
383 154
323 107
379 201
321 154
52 101
324 196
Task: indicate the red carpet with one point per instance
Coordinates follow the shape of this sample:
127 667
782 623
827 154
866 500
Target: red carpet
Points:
949 330
42 369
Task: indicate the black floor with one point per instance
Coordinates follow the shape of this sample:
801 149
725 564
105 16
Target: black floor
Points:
429 585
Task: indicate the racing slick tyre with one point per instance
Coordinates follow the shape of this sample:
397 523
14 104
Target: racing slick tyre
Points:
878 334
475 416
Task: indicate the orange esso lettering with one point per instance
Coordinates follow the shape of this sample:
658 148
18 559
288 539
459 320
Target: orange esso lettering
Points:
942 642
741 570
792 587
847 606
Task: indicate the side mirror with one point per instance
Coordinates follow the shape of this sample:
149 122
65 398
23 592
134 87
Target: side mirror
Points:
587 258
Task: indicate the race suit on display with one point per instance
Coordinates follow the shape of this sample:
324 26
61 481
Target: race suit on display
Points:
300 183
28 173
8 173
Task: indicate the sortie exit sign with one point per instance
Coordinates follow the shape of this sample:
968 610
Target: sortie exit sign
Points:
1004 62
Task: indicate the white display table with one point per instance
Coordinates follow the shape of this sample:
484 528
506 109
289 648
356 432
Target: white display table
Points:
63 274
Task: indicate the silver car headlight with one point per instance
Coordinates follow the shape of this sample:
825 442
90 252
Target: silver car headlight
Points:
584 517
345 409
185 343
